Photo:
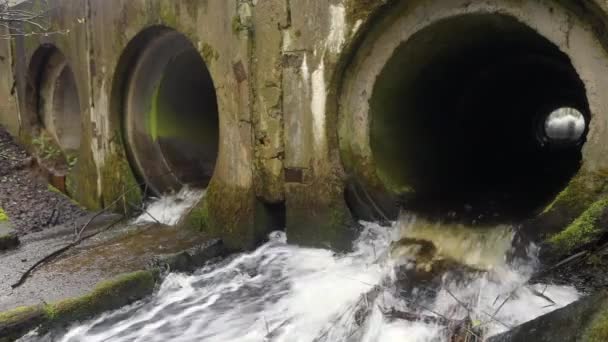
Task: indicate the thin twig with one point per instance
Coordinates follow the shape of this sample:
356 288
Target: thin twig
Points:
143 208
58 252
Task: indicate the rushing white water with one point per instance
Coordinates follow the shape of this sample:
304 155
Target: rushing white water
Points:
282 292
169 209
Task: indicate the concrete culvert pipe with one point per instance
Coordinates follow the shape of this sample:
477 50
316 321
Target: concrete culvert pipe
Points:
459 119
58 102
172 125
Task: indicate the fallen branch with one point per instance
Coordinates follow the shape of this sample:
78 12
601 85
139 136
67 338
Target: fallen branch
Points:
541 295
143 209
58 252
77 238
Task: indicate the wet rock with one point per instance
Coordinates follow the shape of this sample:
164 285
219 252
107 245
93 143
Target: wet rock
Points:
583 320
8 241
8 238
420 266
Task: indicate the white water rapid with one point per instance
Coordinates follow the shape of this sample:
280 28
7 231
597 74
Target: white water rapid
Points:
169 209
282 292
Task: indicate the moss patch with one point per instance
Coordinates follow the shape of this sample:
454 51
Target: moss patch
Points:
209 54
18 321
583 230
226 212
317 215
106 296
120 184
3 215
597 330
581 192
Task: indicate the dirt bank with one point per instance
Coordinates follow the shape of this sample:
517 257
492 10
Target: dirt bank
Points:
25 196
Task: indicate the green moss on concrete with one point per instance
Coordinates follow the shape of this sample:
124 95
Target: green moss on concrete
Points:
237 26
226 212
106 296
168 13
120 184
597 330
3 215
360 9
317 215
18 314
209 54
581 192
15 323
583 230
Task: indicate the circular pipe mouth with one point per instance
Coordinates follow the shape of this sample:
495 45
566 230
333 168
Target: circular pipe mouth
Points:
58 100
454 120
171 115
563 128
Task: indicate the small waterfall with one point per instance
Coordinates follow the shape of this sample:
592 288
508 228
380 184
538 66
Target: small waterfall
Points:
381 291
170 209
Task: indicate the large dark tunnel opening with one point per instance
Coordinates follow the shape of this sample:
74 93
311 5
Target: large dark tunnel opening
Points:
458 116
171 114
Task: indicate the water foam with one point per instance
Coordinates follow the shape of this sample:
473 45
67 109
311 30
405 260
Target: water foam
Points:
282 292
170 209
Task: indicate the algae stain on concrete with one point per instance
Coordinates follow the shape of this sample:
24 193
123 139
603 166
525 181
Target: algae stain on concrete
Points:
597 330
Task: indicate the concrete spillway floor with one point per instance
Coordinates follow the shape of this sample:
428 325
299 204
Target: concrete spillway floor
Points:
124 248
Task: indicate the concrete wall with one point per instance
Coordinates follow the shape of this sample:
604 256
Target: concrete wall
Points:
278 68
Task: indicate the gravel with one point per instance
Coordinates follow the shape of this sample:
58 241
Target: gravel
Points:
25 195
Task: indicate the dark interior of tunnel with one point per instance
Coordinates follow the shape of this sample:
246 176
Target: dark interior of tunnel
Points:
171 113
186 97
455 119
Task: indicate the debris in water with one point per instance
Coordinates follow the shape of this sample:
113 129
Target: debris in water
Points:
288 293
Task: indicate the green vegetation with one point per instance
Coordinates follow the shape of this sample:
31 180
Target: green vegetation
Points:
583 230
46 148
3 215
597 331
106 296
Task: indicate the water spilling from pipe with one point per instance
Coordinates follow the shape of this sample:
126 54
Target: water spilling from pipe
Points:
170 209
282 292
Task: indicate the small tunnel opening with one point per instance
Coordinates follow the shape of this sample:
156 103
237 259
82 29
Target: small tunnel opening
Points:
53 103
459 120
172 123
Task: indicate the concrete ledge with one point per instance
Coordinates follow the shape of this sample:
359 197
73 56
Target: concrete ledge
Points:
106 273
107 295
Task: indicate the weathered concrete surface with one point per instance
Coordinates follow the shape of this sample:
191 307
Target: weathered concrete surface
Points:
8 98
122 249
293 80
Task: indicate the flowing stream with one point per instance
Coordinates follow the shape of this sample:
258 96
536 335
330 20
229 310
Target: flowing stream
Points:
282 292
170 209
